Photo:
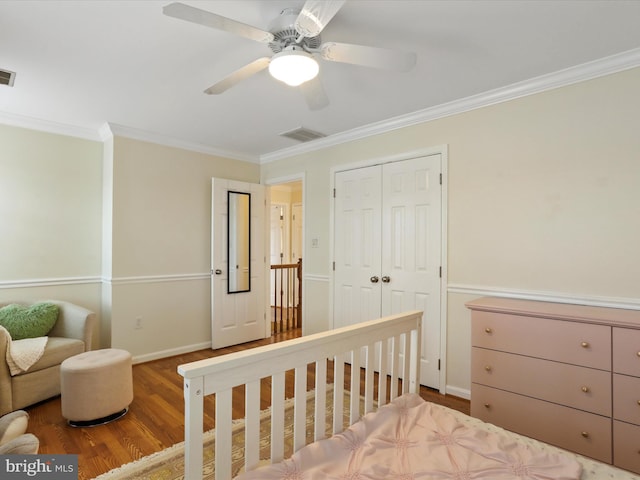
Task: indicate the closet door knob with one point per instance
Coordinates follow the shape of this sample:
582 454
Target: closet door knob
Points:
386 279
374 279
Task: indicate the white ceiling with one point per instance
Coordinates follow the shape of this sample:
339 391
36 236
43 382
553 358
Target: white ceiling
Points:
81 64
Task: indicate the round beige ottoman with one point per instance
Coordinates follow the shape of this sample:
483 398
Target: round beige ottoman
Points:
96 386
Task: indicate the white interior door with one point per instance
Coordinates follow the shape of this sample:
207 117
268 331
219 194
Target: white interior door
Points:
238 317
411 251
357 246
387 244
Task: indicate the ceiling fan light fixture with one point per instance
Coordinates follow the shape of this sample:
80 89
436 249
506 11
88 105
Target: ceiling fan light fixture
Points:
293 67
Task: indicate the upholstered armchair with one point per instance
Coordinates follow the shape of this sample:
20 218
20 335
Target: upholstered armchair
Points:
71 334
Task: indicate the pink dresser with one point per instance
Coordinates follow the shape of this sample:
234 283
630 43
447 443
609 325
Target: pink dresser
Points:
568 375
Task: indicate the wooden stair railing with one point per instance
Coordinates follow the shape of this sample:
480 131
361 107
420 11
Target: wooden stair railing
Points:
287 296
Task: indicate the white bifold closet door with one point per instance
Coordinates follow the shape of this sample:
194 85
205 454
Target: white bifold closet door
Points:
387 244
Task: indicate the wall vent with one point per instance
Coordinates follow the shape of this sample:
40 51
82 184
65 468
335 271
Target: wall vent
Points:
302 134
7 77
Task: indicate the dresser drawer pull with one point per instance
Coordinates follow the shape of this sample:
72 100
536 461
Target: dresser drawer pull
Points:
585 434
487 368
585 389
489 330
638 402
487 406
586 345
638 354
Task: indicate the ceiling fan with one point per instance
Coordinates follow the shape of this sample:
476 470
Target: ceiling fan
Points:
294 39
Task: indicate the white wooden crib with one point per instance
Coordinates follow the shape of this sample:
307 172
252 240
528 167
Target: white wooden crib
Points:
390 346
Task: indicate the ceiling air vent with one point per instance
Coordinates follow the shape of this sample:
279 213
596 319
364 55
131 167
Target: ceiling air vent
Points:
302 134
7 77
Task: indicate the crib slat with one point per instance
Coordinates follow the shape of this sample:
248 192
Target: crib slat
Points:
382 377
193 418
277 417
416 357
321 400
252 425
368 383
338 393
223 434
395 366
300 408
406 369
354 390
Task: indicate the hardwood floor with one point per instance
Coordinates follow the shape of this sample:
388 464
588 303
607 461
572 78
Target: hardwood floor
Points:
156 417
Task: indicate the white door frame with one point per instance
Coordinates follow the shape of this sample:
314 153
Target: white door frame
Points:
443 151
297 177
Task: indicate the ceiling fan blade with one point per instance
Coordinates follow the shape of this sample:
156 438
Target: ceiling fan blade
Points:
315 15
314 94
238 76
208 19
368 56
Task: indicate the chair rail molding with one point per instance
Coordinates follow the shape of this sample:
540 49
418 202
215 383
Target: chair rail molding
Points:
546 296
49 282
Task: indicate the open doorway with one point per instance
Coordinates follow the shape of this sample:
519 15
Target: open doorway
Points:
286 232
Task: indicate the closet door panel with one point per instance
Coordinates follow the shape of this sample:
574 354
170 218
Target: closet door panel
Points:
411 248
357 246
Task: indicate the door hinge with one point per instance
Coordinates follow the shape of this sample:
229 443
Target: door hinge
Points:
334 193
440 272
438 364
440 179
334 266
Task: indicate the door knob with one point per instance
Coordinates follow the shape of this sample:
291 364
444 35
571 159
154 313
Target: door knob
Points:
386 279
218 271
374 279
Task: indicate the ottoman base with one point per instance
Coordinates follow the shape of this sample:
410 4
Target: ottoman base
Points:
98 421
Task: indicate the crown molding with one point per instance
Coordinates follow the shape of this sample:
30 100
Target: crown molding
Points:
49 126
568 76
579 73
137 134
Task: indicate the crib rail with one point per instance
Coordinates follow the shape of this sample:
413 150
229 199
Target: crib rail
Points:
389 346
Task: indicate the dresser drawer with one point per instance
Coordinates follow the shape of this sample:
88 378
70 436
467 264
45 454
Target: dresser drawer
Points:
578 387
626 398
563 341
626 451
626 351
580 432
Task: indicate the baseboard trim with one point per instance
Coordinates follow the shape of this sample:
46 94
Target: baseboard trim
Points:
545 296
148 357
458 392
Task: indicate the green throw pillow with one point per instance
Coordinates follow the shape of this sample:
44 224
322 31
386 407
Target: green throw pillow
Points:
28 321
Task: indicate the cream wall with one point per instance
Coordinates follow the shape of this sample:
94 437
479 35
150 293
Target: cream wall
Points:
121 227
50 217
161 251
543 200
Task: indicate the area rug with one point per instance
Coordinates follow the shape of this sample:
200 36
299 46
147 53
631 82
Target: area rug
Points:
168 464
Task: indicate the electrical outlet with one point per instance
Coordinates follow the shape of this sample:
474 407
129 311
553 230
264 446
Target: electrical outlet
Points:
138 324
